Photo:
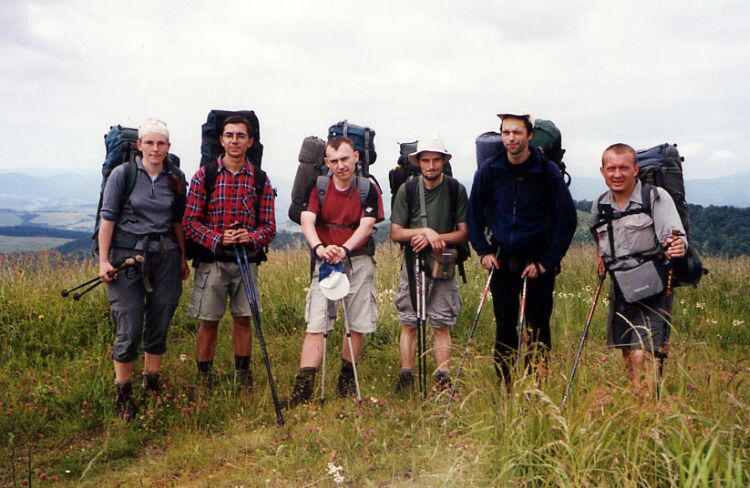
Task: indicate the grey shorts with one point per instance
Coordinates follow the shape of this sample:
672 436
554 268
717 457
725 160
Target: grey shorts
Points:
213 284
443 302
142 317
361 304
636 325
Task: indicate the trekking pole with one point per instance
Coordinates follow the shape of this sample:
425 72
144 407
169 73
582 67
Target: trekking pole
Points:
127 263
247 284
351 349
482 298
522 319
583 340
663 352
325 349
421 325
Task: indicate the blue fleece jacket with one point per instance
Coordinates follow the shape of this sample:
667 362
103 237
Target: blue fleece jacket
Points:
527 207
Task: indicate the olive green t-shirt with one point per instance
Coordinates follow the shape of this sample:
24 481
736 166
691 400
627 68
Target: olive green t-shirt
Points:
437 203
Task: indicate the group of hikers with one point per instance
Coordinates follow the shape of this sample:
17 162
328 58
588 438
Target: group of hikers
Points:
519 217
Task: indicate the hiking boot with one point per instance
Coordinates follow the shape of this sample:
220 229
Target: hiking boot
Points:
302 390
151 383
243 381
126 407
442 384
405 382
346 385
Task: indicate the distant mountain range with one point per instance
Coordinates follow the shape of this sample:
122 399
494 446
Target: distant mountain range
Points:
70 192
724 191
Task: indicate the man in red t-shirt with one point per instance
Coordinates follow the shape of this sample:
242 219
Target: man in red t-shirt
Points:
338 227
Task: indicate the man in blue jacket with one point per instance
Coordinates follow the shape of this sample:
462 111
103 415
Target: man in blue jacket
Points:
522 199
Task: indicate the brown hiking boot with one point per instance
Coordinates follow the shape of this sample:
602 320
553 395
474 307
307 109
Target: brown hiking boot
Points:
151 383
126 407
302 390
243 381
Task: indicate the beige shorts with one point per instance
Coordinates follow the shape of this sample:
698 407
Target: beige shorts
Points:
361 306
214 283
443 302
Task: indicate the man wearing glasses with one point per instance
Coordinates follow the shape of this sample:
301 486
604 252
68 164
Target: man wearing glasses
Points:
217 217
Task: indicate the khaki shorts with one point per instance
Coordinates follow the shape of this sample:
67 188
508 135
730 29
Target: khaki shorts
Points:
214 283
361 306
443 302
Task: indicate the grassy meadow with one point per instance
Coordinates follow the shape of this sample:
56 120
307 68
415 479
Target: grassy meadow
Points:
58 426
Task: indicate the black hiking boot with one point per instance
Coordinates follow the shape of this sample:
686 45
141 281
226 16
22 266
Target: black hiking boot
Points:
126 407
243 381
151 383
405 382
302 390
346 386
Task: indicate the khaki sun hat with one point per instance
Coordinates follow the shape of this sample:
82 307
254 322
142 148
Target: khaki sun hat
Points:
429 143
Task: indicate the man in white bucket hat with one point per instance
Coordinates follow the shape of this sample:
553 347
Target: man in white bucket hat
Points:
338 228
429 219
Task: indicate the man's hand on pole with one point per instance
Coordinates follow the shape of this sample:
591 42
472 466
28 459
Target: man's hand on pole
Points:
490 261
533 271
427 237
674 246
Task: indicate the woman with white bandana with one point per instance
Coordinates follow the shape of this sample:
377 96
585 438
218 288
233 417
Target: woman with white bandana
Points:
144 220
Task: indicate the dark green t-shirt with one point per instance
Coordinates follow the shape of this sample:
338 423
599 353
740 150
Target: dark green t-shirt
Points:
437 203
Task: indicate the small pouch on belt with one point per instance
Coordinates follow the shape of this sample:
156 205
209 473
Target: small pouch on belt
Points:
442 266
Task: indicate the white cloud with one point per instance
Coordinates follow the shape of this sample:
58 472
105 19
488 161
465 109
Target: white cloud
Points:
637 72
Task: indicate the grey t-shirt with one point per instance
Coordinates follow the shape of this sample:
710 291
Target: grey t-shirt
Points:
150 207
637 233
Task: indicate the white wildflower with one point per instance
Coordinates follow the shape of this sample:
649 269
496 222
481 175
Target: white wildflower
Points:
335 471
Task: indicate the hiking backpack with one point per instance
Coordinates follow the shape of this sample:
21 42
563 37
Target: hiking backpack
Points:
363 139
547 138
312 165
405 169
121 148
211 150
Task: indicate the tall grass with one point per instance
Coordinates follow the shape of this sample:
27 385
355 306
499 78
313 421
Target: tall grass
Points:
57 414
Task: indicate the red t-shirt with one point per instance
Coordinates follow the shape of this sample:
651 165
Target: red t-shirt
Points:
342 212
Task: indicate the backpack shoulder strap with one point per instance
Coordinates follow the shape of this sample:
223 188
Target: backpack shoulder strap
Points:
411 191
131 175
260 185
209 180
363 186
453 193
321 186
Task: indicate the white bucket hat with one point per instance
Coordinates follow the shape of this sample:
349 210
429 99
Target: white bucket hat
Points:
521 114
429 143
333 281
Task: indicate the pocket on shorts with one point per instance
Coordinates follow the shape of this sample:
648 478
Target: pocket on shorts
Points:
199 285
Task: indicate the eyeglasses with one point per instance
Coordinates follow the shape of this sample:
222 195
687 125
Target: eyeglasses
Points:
241 136
158 144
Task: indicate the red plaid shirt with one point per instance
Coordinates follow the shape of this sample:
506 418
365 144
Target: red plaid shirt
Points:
233 200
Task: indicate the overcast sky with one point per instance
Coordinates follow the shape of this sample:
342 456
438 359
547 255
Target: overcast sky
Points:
636 72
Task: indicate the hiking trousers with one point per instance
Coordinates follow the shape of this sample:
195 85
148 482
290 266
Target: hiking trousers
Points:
506 287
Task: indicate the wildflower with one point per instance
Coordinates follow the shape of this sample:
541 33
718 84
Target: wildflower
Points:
183 358
41 316
335 471
700 305
737 322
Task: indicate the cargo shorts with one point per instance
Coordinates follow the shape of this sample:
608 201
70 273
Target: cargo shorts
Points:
360 303
443 300
213 284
